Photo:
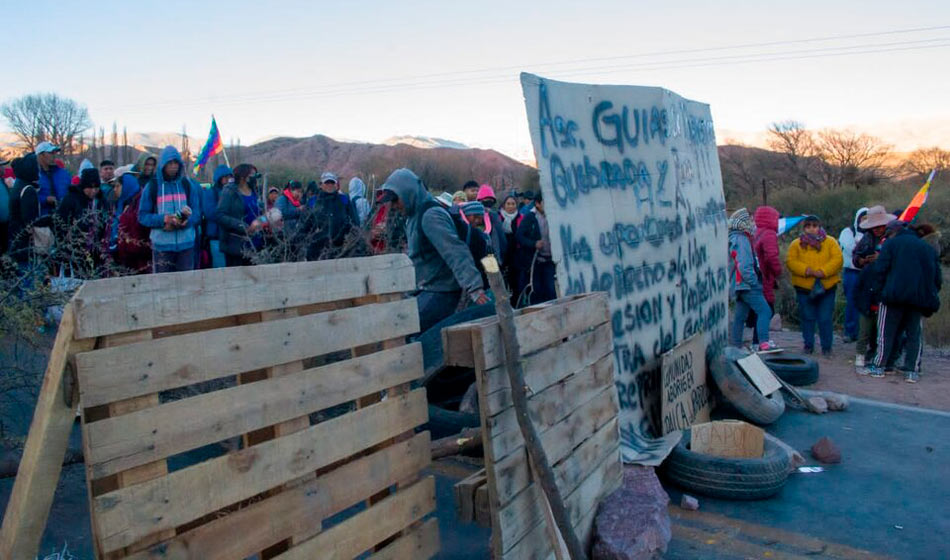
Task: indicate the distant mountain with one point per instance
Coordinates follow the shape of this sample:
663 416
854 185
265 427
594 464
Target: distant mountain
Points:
424 142
441 168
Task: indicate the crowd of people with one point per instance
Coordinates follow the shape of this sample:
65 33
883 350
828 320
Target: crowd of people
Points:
150 217
889 271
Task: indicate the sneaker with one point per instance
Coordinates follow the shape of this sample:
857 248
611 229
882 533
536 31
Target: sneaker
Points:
911 376
875 371
862 370
859 361
769 347
808 350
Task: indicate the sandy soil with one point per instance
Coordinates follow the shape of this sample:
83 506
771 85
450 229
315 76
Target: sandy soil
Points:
837 374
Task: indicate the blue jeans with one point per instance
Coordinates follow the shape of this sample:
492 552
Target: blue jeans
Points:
217 257
753 300
435 306
817 310
172 261
850 311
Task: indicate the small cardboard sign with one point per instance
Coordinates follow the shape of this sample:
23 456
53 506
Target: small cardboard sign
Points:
759 374
685 396
727 438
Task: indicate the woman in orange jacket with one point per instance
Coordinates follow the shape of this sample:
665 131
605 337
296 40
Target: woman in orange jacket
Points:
815 262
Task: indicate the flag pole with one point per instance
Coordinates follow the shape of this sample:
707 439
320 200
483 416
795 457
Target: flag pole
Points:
224 150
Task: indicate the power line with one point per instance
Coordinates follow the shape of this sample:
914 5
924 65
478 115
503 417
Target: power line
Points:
274 95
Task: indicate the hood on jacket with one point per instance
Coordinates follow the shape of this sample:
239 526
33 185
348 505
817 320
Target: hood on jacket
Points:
357 188
86 164
409 188
169 154
26 168
485 191
220 172
766 217
139 166
857 219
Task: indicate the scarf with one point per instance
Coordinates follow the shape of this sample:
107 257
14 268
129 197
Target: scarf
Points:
508 220
814 241
291 198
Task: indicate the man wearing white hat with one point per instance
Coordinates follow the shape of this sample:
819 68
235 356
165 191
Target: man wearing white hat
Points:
54 180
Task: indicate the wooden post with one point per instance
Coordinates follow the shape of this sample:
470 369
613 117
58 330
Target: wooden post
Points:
519 398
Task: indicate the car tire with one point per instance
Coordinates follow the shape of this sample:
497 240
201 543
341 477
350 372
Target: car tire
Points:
725 477
739 391
794 369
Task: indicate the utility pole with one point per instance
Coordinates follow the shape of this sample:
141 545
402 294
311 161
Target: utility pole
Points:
125 144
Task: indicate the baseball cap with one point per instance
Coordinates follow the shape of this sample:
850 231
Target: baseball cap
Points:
328 176
44 147
120 171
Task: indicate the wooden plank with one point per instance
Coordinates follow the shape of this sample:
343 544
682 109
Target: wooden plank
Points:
547 367
130 303
727 438
113 374
759 374
577 422
298 511
40 466
543 327
571 463
526 511
557 401
129 514
116 444
465 495
359 533
536 546
482 515
418 544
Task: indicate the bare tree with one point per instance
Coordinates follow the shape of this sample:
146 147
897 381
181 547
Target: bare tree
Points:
851 158
923 160
46 116
797 143
125 145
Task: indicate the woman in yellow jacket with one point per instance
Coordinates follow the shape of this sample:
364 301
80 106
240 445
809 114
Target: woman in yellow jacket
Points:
815 262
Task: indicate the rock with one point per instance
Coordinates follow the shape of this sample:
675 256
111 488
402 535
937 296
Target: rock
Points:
819 404
836 401
689 502
632 523
826 451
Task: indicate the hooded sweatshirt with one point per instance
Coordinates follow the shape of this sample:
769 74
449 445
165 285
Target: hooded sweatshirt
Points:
25 205
53 181
849 238
442 261
765 245
209 201
357 192
167 196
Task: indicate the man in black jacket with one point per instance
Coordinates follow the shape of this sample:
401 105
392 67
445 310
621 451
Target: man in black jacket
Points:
25 208
326 226
80 225
534 257
909 272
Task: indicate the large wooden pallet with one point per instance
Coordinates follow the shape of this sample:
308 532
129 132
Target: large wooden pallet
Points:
568 366
300 369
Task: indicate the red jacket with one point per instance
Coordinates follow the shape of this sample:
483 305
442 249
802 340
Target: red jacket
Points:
765 246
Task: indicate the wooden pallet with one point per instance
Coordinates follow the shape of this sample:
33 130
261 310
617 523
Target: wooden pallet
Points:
300 368
568 365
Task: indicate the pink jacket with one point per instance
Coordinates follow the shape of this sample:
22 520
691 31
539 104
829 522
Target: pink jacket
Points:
765 246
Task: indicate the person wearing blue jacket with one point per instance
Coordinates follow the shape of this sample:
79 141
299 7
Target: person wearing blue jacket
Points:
54 180
746 281
209 206
166 208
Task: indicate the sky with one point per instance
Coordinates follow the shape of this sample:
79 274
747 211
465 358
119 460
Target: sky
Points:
368 70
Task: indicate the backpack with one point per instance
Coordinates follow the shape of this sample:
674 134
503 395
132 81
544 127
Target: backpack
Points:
478 245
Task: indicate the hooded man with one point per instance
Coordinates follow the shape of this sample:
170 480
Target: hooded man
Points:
54 180
81 221
166 208
357 191
445 269
145 167
25 207
848 240
909 271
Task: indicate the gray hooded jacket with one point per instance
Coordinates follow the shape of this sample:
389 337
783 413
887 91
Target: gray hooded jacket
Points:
442 261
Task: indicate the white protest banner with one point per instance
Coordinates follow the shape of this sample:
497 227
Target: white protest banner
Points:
684 393
633 197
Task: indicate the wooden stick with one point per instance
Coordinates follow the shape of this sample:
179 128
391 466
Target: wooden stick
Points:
467 439
536 454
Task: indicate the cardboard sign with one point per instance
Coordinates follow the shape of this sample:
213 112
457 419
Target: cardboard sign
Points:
685 397
759 374
634 203
728 438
